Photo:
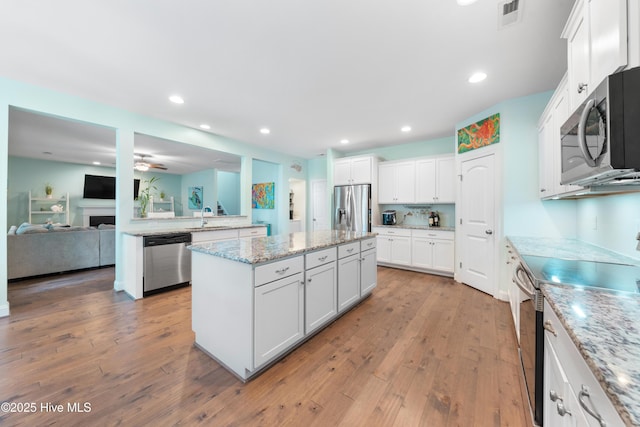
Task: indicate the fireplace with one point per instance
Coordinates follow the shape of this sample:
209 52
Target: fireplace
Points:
96 220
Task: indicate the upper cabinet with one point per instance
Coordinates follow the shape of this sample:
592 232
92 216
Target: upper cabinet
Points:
549 145
435 180
353 170
396 182
596 34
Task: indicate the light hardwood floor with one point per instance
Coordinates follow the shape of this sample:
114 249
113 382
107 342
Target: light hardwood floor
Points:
422 351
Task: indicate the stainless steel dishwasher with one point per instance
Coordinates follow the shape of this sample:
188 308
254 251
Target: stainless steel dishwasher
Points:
167 262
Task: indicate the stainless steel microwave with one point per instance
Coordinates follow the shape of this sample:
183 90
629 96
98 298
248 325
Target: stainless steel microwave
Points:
601 139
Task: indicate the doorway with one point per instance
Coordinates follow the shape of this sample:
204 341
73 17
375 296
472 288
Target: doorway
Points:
319 205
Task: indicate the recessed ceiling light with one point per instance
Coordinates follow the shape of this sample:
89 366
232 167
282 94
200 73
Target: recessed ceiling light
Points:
466 2
176 99
406 129
205 126
344 141
96 163
477 77
265 131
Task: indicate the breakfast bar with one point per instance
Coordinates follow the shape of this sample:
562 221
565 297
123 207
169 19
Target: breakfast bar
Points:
255 300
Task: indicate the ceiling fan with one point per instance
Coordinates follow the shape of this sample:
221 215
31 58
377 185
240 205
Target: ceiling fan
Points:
143 166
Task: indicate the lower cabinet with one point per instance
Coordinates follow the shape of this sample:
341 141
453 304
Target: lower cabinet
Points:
368 271
321 289
279 317
423 250
572 394
348 281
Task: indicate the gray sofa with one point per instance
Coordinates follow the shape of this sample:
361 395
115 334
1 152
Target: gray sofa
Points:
59 250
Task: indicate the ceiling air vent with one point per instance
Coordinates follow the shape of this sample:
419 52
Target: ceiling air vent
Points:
510 12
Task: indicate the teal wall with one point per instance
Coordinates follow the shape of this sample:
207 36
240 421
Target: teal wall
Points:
205 179
270 172
229 191
410 150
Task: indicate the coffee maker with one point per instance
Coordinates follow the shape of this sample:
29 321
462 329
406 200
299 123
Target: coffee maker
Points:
389 217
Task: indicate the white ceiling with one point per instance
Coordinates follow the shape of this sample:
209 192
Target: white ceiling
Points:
314 72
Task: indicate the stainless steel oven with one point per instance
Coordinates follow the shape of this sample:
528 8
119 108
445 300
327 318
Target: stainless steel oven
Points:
531 339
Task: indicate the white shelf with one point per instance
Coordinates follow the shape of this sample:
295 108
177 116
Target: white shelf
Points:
39 206
157 205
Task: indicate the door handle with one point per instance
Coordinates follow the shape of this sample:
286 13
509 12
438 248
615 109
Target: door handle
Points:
489 232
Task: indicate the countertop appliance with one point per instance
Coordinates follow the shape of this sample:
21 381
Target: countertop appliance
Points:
167 262
601 139
352 207
532 271
389 217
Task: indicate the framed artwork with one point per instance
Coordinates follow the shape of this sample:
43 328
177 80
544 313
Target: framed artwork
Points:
480 134
195 198
262 196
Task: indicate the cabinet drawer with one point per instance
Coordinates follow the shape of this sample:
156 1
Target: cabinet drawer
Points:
277 270
252 232
317 258
367 244
348 249
433 234
208 236
388 231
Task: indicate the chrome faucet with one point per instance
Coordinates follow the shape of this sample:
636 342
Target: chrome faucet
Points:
202 221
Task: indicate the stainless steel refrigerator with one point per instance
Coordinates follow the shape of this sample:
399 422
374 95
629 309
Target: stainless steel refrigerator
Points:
352 207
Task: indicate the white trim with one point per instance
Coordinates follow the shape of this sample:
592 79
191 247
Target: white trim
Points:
4 309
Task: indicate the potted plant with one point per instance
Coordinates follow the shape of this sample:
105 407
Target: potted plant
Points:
48 190
145 195
162 195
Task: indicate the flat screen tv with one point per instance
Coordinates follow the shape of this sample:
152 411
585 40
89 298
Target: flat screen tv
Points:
104 187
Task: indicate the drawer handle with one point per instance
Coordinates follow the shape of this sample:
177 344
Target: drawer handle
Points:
549 327
432 234
584 392
322 258
370 244
350 250
282 270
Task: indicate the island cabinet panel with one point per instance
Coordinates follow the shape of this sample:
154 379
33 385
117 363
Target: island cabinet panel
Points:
321 299
368 271
279 317
277 270
348 281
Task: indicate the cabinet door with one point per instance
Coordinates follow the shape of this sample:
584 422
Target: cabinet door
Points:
422 252
386 183
443 259
368 271
401 250
383 243
279 317
445 180
320 296
342 172
578 56
361 170
608 32
545 159
425 181
348 281
405 182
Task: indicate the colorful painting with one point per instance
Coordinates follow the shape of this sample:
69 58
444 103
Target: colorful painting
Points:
195 198
262 196
480 134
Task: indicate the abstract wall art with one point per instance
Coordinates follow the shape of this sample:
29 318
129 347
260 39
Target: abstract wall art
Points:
480 134
262 196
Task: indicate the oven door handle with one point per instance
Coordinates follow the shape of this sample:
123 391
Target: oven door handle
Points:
516 280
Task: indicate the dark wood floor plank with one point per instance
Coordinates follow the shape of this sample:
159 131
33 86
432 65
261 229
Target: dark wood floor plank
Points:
421 351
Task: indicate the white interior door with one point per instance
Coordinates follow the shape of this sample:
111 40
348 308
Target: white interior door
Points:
320 205
477 206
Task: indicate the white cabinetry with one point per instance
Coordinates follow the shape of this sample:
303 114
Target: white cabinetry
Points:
432 250
357 272
321 288
43 210
368 266
279 308
549 145
348 281
596 34
396 182
394 245
569 385
248 233
435 181
213 235
353 170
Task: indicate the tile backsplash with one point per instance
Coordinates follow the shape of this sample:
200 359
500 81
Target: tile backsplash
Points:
419 214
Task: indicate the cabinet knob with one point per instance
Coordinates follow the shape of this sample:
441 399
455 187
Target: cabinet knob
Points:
582 87
553 395
549 327
488 232
562 411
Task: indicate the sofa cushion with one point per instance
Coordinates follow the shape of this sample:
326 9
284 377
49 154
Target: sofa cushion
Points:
26 228
12 229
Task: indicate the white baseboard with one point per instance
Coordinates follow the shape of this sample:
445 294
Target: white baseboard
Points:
4 309
118 285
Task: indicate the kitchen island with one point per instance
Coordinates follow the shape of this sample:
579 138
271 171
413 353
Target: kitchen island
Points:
253 301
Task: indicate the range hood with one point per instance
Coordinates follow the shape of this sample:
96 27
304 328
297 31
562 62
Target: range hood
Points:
630 184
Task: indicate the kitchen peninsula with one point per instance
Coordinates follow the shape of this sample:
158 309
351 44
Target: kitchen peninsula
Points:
255 300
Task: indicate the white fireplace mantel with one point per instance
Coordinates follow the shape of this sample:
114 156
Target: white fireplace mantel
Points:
89 211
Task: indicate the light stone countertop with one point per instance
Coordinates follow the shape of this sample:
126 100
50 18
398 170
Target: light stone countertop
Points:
608 338
417 227
157 231
264 249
